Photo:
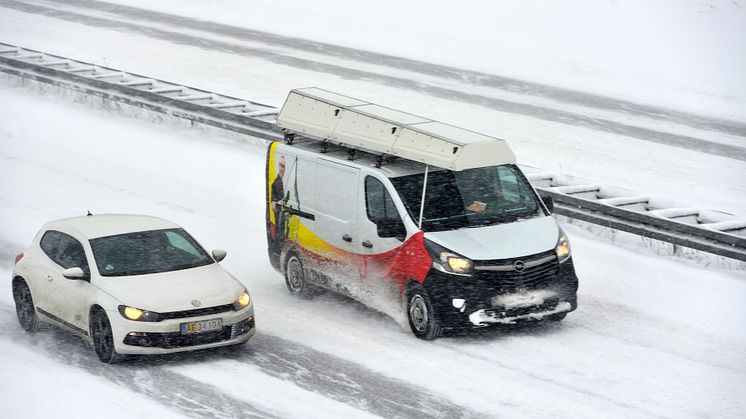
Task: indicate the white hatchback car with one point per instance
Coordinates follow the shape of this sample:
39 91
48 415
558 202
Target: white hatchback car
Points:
130 284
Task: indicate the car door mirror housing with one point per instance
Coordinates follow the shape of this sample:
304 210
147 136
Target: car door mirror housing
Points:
389 227
74 273
219 254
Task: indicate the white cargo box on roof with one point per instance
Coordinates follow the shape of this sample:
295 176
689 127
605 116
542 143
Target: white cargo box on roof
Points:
324 115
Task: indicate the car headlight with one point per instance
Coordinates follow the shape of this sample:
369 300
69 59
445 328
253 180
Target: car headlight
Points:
449 262
133 313
242 301
563 248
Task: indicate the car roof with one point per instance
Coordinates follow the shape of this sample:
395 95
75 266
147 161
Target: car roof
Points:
102 225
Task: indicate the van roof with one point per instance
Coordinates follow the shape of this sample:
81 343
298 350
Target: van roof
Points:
350 122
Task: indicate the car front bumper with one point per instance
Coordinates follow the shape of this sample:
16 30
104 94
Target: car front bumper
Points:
136 337
486 298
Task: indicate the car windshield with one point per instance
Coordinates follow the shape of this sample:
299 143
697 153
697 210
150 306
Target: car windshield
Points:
469 198
147 252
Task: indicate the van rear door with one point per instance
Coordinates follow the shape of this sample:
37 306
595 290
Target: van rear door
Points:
336 225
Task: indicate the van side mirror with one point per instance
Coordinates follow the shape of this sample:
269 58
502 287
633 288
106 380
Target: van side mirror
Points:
391 227
219 254
74 273
548 201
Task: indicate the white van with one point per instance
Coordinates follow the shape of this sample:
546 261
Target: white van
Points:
401 212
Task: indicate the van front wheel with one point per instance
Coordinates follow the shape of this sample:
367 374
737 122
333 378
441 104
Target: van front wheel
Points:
420 313
295 278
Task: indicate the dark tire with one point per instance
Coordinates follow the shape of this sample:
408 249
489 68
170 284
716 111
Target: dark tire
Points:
295 278
557 317
103 341
420 313
25 309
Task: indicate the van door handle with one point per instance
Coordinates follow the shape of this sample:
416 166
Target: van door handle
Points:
368 244
347 238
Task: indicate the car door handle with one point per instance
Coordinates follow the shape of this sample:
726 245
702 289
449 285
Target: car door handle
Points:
368 244
347 238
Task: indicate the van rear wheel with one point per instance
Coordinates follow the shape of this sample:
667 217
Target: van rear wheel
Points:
295 278
420 313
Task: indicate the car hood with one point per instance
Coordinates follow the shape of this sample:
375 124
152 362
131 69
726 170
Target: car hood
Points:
164 292
500 241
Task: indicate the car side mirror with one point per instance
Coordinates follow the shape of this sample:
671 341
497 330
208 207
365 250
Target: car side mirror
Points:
74 273
391 227
548 201
218 254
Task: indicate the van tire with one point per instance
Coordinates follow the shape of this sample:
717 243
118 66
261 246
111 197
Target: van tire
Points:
295 278
420 313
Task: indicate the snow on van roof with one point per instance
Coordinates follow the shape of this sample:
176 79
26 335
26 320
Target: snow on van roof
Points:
325 115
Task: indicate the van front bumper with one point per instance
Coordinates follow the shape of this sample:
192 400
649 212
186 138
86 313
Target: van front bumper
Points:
487 298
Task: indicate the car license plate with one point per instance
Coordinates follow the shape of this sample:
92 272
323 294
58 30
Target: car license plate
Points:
201 326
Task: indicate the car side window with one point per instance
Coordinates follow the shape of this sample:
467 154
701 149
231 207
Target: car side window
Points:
378 202
70 253
50 243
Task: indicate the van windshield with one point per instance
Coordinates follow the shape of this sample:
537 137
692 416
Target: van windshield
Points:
469 198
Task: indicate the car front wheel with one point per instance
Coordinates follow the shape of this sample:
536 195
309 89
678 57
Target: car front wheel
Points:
25 309
103 341
420 313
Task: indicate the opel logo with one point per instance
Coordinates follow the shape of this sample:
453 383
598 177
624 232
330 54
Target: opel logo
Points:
196 303
519 265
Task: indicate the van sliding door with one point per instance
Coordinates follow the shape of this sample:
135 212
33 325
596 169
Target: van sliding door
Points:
336 205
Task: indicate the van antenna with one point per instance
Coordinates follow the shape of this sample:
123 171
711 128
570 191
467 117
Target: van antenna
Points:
422 203
89 213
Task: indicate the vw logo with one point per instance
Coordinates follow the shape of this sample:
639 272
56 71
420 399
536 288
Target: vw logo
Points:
519 265
196 303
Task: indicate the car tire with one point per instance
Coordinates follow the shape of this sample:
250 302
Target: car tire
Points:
557 317
420 313
295 278
103 340
25 309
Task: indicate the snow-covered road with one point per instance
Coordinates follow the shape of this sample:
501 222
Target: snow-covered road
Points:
651 338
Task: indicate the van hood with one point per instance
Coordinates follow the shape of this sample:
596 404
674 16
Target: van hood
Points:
174 291
501 241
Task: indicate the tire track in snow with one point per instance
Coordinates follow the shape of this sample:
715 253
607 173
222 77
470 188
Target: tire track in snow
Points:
568 118
306 368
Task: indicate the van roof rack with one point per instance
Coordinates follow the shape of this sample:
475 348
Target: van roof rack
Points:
326 116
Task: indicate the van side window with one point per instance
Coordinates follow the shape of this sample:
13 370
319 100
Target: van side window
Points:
378 202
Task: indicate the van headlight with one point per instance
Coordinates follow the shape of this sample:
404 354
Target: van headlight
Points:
133 313
242 301
563 248
449 262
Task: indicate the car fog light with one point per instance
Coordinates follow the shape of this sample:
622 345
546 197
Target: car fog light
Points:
459 303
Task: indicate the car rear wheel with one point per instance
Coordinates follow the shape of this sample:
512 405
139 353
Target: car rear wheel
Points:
103 341
295 278
25 310
421 315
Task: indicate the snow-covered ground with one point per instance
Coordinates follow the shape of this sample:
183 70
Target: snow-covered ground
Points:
652 337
